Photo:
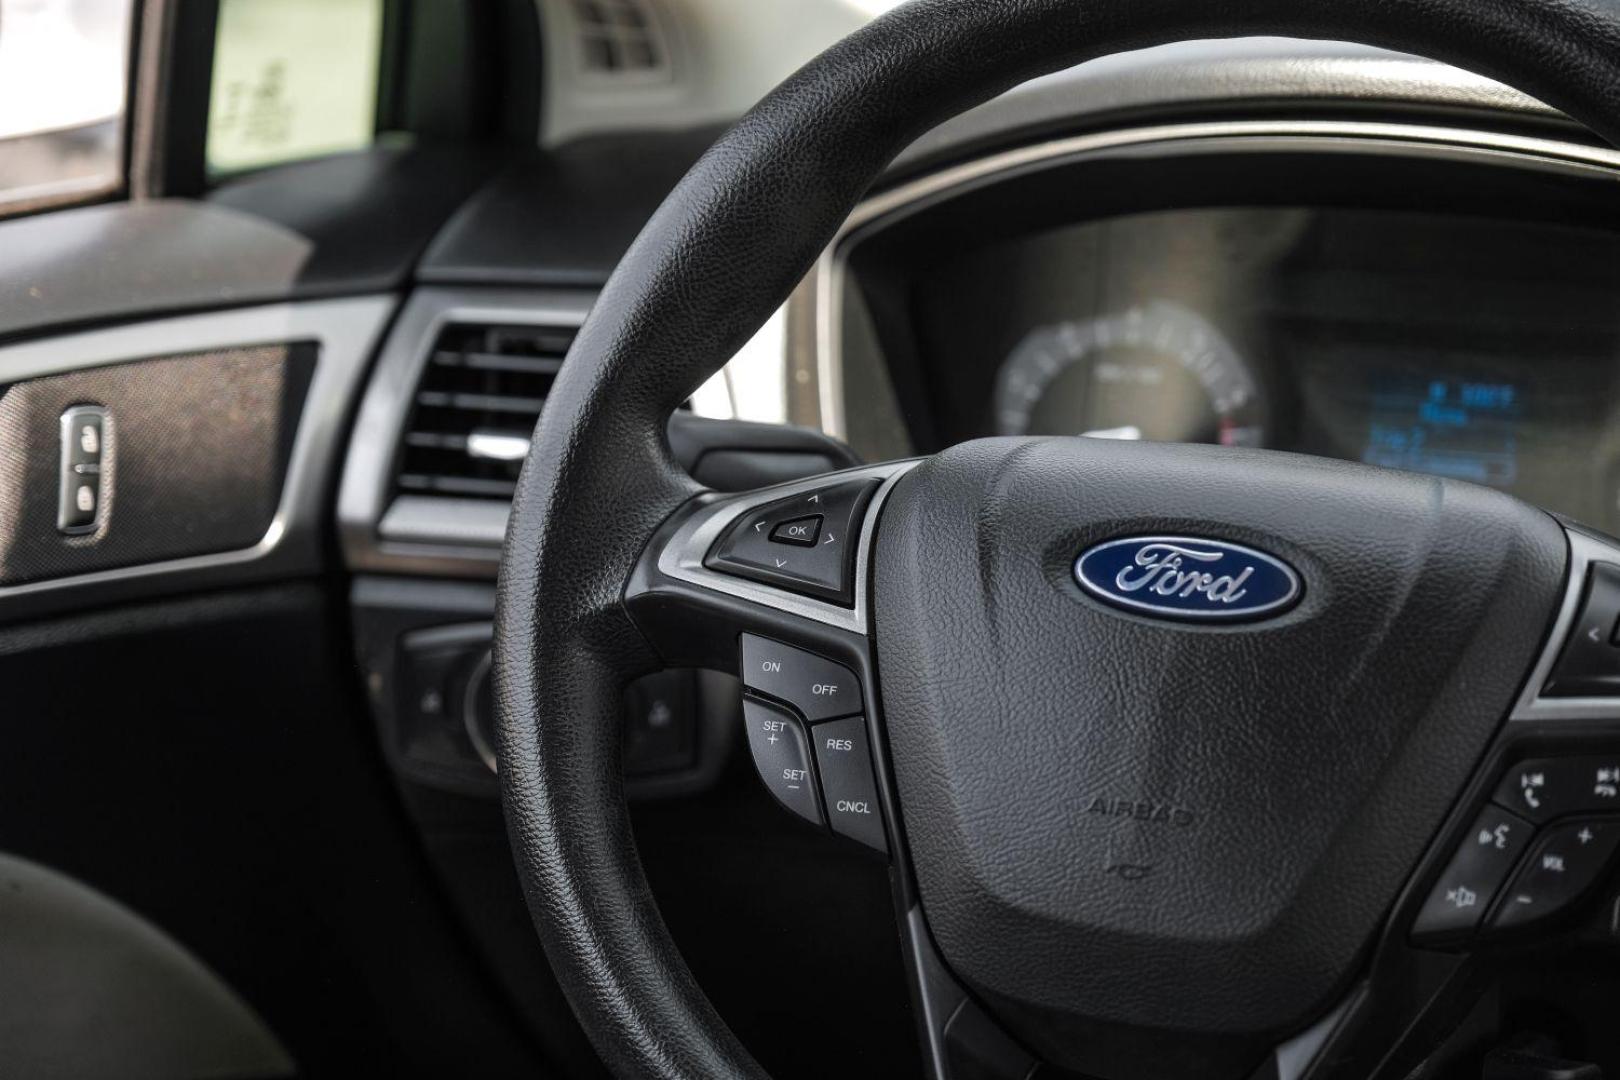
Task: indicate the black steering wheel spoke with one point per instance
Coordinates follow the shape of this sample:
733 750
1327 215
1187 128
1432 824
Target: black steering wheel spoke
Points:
773 585
720 587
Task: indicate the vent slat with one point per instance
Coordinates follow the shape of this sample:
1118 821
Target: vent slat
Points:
433 440
438 399
457 485
532 365
485 380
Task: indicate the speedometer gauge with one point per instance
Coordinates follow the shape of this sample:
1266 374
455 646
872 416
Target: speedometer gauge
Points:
1156 372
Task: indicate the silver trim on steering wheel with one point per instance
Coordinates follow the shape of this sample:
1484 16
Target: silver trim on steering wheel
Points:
1584 549
682 556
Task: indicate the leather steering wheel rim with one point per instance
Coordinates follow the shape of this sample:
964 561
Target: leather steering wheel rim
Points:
718 257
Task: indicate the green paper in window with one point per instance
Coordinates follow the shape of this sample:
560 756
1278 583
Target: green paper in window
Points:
292 79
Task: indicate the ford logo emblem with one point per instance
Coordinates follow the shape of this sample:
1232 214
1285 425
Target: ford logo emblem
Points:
1187 577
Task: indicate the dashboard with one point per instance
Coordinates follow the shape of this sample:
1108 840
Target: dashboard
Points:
1477 344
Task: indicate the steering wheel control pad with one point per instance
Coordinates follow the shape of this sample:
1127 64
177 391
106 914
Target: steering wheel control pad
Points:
1129 818
1590 662
805 543
1566 858
1561 869
822 697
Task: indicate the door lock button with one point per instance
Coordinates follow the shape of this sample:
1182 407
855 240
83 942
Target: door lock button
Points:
81 483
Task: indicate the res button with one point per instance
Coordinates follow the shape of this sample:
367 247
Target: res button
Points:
845 759
819 688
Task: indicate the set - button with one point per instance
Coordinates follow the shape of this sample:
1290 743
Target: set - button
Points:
811 739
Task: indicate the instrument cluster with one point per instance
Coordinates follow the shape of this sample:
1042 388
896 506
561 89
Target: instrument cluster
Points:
1468 347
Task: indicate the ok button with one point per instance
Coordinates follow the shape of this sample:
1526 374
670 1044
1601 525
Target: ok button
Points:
801 531
819 688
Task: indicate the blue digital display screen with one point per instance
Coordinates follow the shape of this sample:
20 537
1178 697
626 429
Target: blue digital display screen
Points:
1455 427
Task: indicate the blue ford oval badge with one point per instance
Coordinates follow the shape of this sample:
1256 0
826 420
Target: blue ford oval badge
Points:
1187 577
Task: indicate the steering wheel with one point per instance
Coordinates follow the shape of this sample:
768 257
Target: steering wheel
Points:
1160 735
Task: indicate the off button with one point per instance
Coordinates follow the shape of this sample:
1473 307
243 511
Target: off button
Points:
819 688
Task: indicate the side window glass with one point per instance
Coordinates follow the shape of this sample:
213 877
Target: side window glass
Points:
64 77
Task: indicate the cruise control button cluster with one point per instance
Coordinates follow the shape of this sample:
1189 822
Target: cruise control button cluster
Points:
1534 851
804 543
817 703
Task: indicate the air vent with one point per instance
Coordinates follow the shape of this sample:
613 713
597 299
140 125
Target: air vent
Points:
620 37
475 408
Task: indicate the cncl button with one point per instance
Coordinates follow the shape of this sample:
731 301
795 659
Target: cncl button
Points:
847 787
819 688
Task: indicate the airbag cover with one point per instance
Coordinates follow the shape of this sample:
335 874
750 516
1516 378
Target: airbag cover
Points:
1135 820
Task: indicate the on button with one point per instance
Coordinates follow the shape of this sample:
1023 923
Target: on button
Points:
819 688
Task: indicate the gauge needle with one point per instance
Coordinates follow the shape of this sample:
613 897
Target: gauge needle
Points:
1129 431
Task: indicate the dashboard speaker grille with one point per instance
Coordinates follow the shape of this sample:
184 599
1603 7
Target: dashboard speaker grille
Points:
475 408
